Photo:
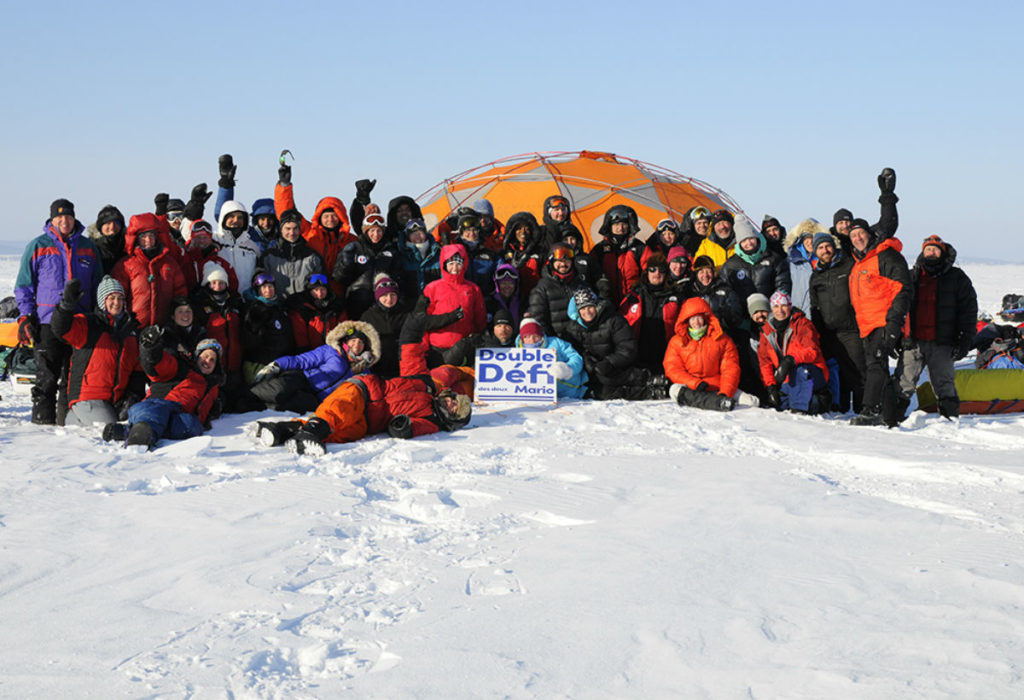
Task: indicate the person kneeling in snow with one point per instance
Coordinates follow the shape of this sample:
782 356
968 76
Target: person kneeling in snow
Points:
701 360
792 366
183 397
568 369
300 382
420 402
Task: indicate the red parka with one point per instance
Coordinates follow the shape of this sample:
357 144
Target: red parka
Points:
800 341
150 283
449 293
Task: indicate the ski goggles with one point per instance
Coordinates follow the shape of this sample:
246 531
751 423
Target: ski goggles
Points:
175 215
315 279
262 279
667 224
374 220
556 203
700 213
562 254
506 273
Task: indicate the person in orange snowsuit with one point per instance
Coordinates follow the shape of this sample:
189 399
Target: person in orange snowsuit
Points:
701 360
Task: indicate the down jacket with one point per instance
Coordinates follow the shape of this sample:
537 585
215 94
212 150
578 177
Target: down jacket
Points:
880 288
712 359
448 294
105 359
328 366
799 340
150 283
242 253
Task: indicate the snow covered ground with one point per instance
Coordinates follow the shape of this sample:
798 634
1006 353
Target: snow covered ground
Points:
588 551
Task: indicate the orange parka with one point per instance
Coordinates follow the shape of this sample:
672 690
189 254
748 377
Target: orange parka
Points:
712 358
880 288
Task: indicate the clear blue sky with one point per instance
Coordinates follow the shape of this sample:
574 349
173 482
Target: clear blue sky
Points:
791 108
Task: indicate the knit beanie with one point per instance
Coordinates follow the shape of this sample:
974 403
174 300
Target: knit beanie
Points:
780 298
842 215
529 326
213 272
382 285
584 296
743 230
757 302
820 238
108 285
678 252
62 207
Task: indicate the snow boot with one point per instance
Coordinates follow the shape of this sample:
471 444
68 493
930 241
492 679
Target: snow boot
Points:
949 408
272 433
140 434
115 432
310 439
44 413
870 415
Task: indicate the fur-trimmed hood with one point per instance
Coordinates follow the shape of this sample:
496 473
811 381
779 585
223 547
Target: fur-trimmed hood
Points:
805 227
337 335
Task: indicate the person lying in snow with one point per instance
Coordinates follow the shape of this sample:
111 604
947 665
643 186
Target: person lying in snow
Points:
300 382
419 402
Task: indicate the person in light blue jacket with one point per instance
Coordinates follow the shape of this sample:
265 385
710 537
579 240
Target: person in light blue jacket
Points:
570 376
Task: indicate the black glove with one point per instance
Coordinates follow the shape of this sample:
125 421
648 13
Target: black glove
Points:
216 411
124 404
604 367
451 317
72 294
227 168
363 190
703 386
963 347
160 201
887 181
151 337
284 175
774 397
28 330
400 427
197 202
786 365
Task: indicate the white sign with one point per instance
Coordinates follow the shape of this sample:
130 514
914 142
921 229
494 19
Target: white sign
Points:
516 374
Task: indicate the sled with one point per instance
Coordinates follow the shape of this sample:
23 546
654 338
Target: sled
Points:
982 391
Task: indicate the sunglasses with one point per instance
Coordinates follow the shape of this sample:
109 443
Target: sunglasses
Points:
313 279
656 269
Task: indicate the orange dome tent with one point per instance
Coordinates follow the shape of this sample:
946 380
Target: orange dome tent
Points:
592 181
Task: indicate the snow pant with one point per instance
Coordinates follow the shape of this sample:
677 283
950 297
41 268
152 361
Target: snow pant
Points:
52 356
878 384
90 413
805 390
939 361
166 419
288 391
345 411
706 400
632 384
847 349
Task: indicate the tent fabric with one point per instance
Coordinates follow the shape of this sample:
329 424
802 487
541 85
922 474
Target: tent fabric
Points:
592 181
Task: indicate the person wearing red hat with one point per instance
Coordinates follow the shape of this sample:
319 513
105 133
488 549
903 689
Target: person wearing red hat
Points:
942 326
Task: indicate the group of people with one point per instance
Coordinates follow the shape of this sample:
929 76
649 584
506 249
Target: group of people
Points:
371 319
